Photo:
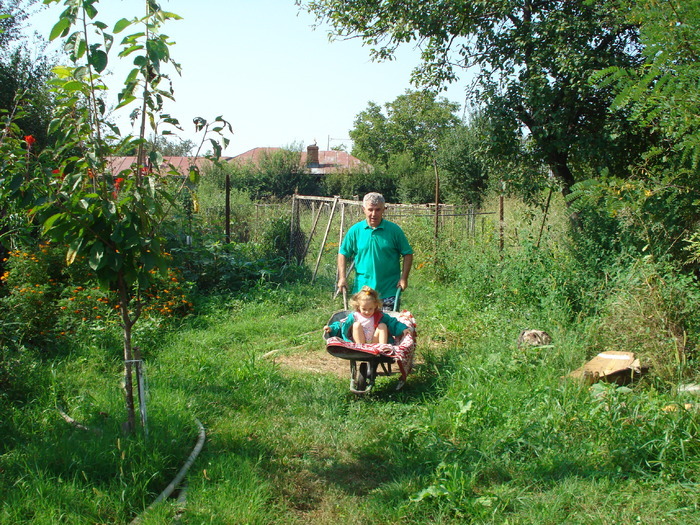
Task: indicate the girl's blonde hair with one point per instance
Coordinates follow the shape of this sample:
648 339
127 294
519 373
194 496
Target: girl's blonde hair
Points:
364 293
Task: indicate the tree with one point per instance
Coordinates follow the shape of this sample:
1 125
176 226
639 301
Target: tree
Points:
463 172
13 14
113 220
533 62
166 145
275 175
656 209
25 107
403 139
413 123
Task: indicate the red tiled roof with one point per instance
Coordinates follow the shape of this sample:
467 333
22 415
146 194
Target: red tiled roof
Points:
328 161
182 164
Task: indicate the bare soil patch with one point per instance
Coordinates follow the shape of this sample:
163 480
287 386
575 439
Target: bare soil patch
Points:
320 362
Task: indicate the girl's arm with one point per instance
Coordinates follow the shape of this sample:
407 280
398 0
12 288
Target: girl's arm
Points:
396 327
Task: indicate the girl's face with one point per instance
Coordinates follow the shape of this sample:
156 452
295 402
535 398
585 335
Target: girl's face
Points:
366 306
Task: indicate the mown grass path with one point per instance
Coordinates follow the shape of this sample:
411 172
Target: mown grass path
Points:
483 432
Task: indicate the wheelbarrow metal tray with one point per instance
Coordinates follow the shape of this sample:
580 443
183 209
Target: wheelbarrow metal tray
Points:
343 352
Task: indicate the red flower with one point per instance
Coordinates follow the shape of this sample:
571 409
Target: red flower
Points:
29 139
118 182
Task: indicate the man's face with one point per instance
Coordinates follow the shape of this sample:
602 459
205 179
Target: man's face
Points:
374 213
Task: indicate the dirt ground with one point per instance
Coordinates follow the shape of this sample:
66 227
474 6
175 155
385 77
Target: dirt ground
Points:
320 362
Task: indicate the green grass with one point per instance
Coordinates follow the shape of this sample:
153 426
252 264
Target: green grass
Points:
483 431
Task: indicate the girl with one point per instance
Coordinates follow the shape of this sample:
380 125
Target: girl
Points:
367 324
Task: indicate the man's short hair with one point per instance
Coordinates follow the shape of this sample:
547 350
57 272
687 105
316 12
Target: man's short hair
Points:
373 199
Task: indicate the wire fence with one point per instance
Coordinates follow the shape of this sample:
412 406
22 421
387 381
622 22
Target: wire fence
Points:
318 224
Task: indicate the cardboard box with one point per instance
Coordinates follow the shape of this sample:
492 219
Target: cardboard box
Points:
610 366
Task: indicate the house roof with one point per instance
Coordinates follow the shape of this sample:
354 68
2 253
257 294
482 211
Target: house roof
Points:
182 164
328 161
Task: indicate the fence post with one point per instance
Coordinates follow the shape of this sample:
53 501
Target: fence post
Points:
437 201
341 232
227 208
501 222
294 227
544 217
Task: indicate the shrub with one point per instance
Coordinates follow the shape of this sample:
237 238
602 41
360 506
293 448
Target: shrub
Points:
650 309
48 301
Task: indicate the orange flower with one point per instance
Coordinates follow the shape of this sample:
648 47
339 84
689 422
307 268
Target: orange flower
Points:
29 139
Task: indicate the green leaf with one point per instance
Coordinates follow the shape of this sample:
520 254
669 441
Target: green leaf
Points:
73 85
60 29
70 256
98 60
156 158
97 253
48 223
121 25
194 174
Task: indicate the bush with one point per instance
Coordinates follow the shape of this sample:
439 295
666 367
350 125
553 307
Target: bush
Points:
349 185
650 309
48 302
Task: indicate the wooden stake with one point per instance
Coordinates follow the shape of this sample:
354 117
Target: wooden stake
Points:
325 237
313 228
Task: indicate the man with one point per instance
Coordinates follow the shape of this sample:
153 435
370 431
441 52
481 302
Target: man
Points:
377 247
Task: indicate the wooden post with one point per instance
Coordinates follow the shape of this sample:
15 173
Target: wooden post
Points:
313 228
341 232
437 200
227 208
293 227
501 222
544 217
437 208
141 387
325 237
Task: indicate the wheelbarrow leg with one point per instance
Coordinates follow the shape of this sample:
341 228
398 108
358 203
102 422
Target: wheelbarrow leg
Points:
353 373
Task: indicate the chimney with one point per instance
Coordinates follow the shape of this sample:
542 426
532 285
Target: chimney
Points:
312 156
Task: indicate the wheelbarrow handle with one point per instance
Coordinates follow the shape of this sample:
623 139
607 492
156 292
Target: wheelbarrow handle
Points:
397 299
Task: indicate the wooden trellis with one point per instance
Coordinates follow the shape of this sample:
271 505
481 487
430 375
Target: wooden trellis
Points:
352 210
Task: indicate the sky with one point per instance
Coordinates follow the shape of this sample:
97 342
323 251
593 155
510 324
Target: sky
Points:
262 66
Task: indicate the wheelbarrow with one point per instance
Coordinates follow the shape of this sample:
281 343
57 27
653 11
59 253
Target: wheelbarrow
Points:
369 360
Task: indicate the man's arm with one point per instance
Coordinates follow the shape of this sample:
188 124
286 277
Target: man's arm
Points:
407 264
342 263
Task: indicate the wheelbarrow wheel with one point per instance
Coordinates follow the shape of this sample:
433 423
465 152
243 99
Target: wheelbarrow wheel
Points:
361 374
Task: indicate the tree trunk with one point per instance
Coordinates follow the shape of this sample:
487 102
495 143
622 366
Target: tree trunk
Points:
561 172
127 323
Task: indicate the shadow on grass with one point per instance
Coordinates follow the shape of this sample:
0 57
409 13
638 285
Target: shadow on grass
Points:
424 383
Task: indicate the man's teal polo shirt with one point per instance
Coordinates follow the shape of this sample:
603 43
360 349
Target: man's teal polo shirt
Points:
377 253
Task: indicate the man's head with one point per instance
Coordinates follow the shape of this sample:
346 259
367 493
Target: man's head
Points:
373 205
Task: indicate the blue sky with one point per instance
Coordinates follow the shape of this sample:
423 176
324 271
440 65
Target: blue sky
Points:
261 65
